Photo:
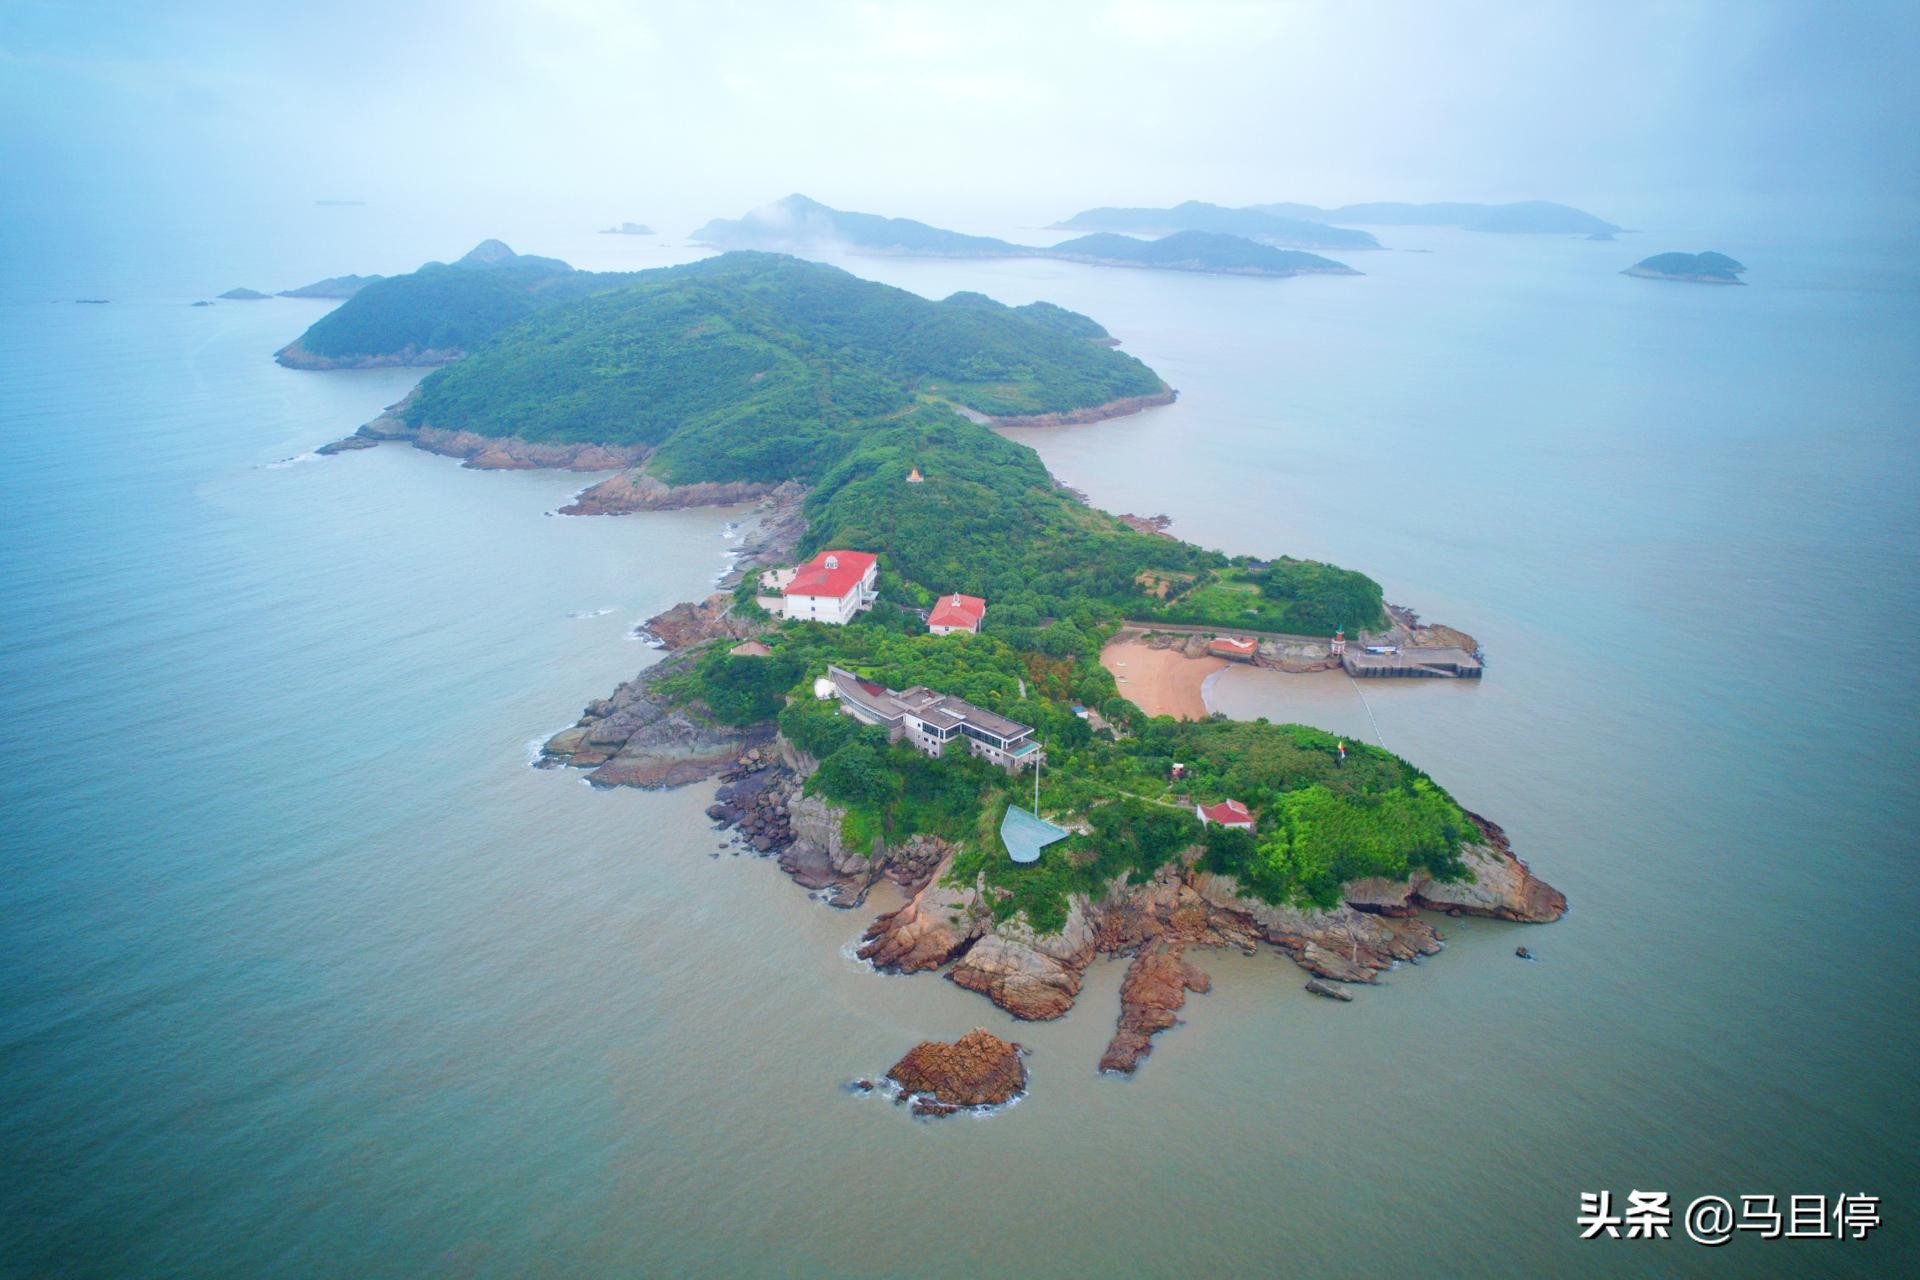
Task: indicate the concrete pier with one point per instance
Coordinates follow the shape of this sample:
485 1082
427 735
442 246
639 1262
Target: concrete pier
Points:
1444 664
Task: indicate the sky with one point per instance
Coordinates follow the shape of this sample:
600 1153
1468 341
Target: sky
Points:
968 115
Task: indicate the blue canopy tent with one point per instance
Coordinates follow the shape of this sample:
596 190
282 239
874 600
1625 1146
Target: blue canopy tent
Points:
1026 834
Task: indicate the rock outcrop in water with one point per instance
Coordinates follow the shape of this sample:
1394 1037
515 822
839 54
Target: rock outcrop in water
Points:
977 1070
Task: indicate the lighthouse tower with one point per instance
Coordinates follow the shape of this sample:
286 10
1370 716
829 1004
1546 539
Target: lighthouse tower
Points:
1339 642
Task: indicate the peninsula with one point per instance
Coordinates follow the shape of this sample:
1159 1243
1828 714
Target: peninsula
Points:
949 581
434 315
1689 268
332 287
1306 226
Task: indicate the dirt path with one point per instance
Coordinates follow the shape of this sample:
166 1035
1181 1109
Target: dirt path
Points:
1162 681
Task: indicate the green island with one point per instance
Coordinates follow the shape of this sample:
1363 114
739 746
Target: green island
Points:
862 416
1691 268
1197 251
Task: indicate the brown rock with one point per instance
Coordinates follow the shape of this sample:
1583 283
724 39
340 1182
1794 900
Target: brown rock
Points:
978 1069
637 491
1155 987
1032 976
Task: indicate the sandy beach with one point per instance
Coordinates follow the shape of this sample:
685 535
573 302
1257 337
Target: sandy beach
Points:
1161 681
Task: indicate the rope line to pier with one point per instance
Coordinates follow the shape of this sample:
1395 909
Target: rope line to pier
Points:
1369 706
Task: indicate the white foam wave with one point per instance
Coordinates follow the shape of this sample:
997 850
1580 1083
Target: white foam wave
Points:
284 463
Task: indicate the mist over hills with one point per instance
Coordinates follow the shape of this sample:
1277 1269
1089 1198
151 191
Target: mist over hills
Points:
799 225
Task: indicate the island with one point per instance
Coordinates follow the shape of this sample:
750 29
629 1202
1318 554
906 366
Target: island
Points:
800 225
332 287
1254 223
1198 251
627 229
1690 268
244 295
1534 217
902 679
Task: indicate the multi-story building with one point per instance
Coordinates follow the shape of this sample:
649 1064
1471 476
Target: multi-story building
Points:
934 722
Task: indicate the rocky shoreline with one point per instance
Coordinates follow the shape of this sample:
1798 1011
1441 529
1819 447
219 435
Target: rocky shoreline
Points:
633 739
295 356
486 453
1095 413
637 491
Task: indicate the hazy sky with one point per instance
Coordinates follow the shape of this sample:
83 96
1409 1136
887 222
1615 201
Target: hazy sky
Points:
958 113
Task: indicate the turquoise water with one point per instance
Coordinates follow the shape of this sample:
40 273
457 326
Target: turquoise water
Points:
306 973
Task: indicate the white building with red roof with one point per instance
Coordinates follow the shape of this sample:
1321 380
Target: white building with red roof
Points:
1228 813
956 613
831 587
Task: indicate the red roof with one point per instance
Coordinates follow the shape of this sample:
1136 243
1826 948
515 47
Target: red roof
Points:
831 573
957 611
1228 813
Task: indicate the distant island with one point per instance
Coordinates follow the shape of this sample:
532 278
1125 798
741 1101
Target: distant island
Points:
244 295
628 229
839 403
798 224
1539 217
1197 251
1691 268
1259 223
331 287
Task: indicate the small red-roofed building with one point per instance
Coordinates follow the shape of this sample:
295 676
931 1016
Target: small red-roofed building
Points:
956 613
831 587
1233 647
1228 813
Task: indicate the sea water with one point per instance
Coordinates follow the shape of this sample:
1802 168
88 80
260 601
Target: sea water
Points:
307 972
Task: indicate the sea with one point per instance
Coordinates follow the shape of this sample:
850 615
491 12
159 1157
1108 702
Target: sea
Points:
306 972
